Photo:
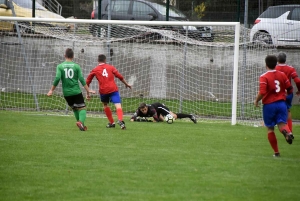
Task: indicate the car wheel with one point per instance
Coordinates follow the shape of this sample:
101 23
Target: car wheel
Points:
263 37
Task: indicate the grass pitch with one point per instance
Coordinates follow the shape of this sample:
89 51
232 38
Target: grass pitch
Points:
47 158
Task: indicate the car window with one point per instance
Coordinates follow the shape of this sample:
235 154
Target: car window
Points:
296 14
274 12
120 7
173 12
2 1
28 4
140 8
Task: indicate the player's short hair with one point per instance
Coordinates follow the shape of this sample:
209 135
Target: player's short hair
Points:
69 53
142 105
281 57
101 58
271 61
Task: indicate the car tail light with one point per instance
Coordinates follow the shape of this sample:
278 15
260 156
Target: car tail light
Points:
256 21
93 15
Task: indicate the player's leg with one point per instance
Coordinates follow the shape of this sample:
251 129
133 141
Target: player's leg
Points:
288 102
76 114
181 116
116 99
105 100
161 117
163 111
268 116
71 100
281 120
273 141
290 122
77 104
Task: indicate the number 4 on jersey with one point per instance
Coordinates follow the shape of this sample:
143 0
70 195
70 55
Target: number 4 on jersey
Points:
104 73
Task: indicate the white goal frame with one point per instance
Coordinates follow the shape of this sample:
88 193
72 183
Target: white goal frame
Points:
171 23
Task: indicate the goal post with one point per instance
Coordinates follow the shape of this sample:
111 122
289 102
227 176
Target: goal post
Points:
192 67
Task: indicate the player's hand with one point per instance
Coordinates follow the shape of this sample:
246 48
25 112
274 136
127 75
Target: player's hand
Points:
50 93
256 103
88 97
92 91
128 86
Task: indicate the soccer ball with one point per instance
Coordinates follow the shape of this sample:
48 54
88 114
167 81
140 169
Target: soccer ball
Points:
169 118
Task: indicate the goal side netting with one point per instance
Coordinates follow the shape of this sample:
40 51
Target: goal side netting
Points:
209 69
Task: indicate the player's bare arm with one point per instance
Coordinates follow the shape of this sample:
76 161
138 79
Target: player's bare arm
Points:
258 98
126 84
88 92
51 91
134 116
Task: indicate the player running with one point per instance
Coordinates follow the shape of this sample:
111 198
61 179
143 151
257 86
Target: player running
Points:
158 111
291 73
108 89
69 73
272 91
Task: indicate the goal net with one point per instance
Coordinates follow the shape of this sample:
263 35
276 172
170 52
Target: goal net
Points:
209 69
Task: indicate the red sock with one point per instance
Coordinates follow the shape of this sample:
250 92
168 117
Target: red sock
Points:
290 124
109 114
286 128
273 141
120 114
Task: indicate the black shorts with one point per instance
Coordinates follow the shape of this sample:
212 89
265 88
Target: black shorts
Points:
76 101
162 110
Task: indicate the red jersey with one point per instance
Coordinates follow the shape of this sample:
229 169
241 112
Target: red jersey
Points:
273 85
105 75
290 72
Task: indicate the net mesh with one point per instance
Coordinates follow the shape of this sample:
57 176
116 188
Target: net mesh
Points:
189 69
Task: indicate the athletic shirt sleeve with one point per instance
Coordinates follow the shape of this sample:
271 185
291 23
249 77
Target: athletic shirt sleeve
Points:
135 115
153 113
296 78
117 74
90 77
80 75
57 76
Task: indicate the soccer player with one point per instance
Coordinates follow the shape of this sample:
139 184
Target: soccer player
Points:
291 73
158 111
272 91
108 89
69 73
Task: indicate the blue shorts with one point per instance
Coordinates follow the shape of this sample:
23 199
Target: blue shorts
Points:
275 113
113 97
288 101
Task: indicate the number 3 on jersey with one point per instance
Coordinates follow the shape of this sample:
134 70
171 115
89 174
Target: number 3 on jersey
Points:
104 73
277 85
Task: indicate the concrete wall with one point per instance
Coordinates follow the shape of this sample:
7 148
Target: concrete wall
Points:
172 71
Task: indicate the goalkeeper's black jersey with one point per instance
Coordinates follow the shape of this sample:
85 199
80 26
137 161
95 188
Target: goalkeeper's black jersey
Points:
154 110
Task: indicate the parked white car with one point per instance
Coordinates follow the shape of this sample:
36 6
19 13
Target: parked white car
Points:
278 25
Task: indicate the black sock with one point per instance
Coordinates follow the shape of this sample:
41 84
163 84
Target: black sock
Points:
180 115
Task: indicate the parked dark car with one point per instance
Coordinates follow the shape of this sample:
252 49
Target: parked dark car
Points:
145 10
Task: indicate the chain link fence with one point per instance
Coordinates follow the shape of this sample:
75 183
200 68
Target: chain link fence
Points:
195 10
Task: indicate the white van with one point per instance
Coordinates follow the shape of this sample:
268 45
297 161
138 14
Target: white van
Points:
23 8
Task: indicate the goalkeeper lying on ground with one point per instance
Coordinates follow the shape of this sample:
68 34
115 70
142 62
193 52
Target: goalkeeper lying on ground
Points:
158 111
